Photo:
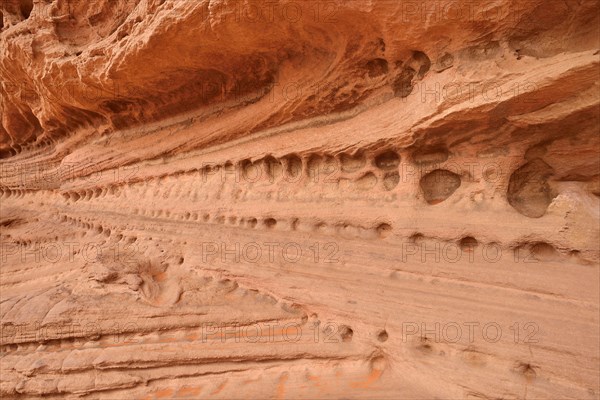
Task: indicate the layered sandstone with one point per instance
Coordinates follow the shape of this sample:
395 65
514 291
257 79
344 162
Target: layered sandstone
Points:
299 199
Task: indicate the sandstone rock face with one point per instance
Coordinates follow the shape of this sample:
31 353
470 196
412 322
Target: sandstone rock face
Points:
299 199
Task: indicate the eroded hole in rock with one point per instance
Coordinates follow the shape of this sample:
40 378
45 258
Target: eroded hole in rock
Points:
468 243
424 345
388 160
416 238
26 6
423 62
382 336
10 222
294 224
528 190
228 166
251 172
377 67
352 163
5 153
320 227
273 168
391 180
403 84
313 166
525 369
330 166
413 69
384 230
346 333
367 181
293 166
438 185
252 222
543 251
270 223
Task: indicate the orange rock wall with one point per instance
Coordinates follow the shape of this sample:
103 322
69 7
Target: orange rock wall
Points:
299 199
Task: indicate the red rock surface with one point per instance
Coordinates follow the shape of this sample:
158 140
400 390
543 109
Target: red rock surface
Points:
299 199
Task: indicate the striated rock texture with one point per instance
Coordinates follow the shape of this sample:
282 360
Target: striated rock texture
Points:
299 199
